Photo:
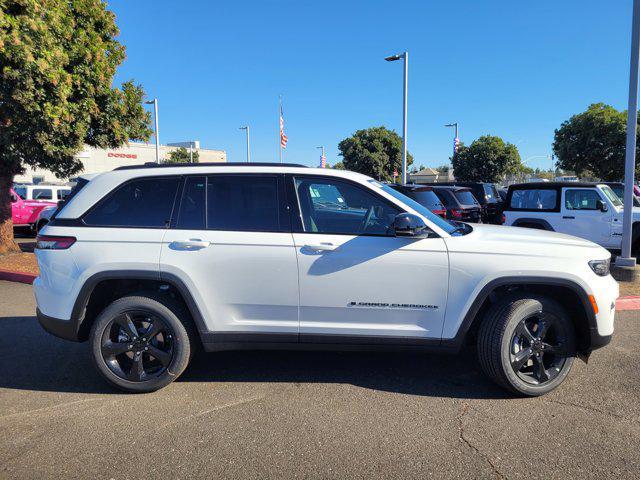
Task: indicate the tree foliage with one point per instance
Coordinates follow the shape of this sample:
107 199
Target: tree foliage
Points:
57 63
376 152
182 155
487 159
593 142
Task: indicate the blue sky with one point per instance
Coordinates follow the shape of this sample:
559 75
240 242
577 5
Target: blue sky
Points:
516 69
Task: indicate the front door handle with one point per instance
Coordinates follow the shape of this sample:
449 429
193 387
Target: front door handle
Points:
191 244
569 218
321 247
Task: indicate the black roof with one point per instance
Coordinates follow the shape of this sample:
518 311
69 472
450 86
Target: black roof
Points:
209 164
456 188
532 185
409 186
462 184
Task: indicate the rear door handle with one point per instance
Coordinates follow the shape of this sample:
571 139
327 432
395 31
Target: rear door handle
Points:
321 247
569 218
191 244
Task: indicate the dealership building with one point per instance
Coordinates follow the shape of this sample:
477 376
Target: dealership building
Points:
96 160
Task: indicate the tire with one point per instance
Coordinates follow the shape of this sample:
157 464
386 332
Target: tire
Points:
122 353
532 331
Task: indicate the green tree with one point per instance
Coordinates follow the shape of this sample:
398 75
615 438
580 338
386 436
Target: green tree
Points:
487 159
376 152
443 169
57 63
593 141
338 166
182 155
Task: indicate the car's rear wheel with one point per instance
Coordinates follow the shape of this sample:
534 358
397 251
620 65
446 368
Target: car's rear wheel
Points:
142 343
526 344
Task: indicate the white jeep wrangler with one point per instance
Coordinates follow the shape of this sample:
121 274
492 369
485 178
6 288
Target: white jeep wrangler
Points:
588 210
150 263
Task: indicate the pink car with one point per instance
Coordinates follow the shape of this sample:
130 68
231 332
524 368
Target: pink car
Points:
25 212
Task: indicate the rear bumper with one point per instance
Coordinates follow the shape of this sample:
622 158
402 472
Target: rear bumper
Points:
66 329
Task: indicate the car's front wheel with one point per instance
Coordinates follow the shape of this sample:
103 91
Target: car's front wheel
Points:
142 343
526 344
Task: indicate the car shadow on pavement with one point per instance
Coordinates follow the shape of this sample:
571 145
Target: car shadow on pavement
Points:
31 359
413 373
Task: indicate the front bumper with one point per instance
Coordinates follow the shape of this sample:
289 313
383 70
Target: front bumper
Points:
65 329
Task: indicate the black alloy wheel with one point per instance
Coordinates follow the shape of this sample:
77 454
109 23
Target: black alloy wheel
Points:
137 345
538 348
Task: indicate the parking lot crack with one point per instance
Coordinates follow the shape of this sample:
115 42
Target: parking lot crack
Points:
464 439
585 407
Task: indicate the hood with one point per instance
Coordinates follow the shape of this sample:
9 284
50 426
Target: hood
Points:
525 241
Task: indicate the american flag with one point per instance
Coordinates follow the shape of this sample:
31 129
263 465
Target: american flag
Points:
283 136
323 161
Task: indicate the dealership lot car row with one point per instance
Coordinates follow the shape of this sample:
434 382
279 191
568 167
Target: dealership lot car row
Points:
271 256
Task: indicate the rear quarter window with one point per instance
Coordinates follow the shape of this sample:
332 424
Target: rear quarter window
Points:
534 199
145 203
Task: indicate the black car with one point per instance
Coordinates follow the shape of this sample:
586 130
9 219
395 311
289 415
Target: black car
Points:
460 204
487 196
422 194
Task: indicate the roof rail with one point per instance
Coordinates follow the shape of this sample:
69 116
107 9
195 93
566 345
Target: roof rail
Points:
208 164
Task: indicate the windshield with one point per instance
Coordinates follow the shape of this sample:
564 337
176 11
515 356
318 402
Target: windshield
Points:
422 210
21 191
613 198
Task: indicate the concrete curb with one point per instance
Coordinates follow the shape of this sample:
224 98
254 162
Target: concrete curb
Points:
20 277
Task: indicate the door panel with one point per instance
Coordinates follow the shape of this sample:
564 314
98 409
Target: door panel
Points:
366 285
582 218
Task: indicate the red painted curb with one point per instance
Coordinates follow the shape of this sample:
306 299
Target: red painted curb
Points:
20 277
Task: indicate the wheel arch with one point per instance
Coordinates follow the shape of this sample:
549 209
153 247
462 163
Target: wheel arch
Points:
538 222
104 287
568 293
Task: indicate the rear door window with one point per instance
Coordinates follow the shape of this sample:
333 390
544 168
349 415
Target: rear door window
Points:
247 203
192 206
145 203
427 198
534 199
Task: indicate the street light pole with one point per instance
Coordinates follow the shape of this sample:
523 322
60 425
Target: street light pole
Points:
405 93
455 125
248 148
154 102
625 259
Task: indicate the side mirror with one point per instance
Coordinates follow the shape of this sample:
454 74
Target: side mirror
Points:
409 225
600 205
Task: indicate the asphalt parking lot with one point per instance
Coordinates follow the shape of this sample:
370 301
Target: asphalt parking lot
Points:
309 414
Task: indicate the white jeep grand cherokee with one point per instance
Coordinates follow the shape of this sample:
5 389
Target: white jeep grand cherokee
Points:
149 263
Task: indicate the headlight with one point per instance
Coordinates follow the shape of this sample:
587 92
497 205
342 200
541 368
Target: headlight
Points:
601 267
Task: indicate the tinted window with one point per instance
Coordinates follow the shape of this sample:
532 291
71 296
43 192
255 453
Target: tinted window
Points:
581 199
446 197
62 194
534 199
614 198
465 197
21 191
243 203
427 198
491 193
41 194
618 190
192 207
334 206
140 203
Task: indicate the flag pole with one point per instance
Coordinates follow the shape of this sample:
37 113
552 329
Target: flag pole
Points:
280 127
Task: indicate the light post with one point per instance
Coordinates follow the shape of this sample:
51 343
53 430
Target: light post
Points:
323 159
154 102
625 260
455 138
393 58
246 128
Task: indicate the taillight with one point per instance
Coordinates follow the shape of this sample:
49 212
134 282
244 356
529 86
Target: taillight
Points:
503 219
44 242
441 213
456 213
